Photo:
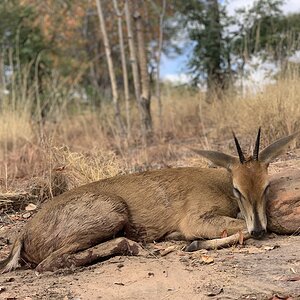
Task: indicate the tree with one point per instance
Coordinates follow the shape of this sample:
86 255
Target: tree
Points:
162 13
258 28
139 65
64 38
263 30
24 51
145 96
133 62
220 51
205 21
111 71
124 66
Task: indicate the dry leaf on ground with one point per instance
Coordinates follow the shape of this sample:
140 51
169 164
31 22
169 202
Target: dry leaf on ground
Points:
207 259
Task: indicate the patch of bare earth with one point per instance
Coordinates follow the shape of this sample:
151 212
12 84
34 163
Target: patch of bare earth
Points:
259 270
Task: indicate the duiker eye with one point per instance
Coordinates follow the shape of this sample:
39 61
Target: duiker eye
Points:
267 189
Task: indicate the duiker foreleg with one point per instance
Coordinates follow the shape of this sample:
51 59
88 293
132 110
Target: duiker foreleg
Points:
210 226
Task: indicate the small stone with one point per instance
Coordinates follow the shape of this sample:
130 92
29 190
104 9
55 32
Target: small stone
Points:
26 215
30 207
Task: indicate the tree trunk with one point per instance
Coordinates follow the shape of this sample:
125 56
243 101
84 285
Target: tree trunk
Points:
124 67
257 37
158 60
111 71
2 80
215 78
284 202
145 98
134 66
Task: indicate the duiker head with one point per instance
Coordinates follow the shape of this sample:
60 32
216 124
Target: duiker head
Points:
250 179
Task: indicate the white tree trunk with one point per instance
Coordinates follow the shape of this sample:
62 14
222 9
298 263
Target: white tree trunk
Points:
111 71
158 60
134 65
124 67
145 98
2 80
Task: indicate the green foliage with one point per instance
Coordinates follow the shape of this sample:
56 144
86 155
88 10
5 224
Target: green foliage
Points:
206 21
18 34
265 28
218 39
26 57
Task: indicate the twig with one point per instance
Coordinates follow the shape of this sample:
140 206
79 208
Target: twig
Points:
218 243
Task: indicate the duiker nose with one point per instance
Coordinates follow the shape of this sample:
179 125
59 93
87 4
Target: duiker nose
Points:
258 233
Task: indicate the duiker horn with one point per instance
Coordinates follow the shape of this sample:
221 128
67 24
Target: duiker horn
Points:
256 149
239 150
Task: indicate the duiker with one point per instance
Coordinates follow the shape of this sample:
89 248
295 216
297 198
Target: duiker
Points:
109 216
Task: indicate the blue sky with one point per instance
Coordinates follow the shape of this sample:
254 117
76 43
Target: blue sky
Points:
177 65
176 68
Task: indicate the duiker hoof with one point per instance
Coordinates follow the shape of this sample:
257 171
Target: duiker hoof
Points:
193 246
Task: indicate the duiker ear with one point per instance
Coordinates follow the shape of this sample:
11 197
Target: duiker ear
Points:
218 158
277 148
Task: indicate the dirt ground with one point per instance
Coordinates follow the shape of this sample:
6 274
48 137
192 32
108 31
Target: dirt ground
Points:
266 269
260 269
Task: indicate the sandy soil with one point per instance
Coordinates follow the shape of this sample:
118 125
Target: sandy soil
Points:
259 270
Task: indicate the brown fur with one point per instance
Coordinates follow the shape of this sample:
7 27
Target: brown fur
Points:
251 179
145 207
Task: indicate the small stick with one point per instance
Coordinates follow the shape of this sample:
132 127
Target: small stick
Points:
218 243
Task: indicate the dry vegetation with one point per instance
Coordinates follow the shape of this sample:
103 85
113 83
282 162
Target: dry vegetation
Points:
85 147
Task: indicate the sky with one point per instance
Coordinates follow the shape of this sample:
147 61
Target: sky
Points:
175 69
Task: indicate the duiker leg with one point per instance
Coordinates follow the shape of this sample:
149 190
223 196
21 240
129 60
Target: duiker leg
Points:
51 263
98 220
63 259
174 236
210 227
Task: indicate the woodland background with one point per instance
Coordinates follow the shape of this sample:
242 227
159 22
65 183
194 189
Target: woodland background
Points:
81 91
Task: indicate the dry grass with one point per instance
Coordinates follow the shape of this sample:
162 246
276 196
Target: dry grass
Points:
276 109
82 144
66 170
182 117
16 129
87 167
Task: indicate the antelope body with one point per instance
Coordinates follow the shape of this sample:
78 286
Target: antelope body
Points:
109 215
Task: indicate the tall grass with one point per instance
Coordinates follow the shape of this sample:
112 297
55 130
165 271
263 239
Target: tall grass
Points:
32 146
15 130
276 109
